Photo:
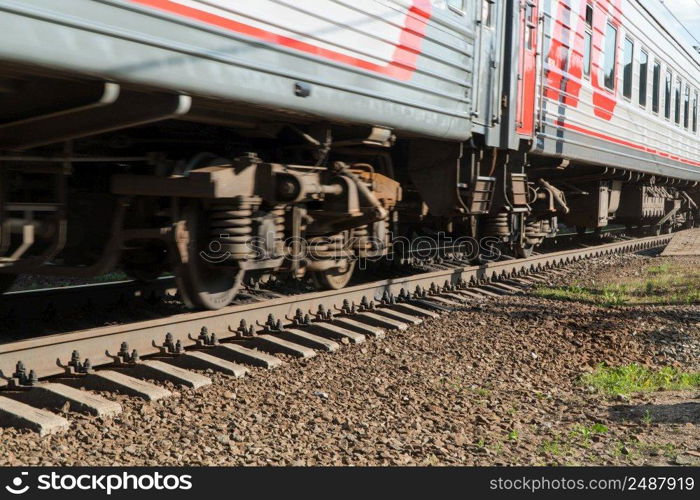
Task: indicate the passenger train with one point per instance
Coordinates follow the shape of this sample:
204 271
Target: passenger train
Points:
213 138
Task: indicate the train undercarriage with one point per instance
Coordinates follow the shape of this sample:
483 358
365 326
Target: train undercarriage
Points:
219 201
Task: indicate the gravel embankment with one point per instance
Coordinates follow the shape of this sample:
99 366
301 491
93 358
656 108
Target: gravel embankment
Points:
495 383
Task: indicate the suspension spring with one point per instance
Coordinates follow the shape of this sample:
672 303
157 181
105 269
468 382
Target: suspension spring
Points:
360 237
230 223
498 225
279 213
536 231
327 247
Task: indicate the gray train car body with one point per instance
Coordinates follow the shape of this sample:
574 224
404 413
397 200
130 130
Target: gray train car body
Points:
396 63
145 134
420 67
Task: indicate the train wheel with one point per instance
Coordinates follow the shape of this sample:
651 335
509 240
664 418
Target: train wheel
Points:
333 279
203 283
6 282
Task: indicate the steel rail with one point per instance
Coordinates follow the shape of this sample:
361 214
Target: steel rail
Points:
33 301
48 355
29 302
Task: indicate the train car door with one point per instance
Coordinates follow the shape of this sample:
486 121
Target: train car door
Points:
527 67
486 110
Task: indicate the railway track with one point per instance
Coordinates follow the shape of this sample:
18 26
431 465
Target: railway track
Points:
48 303
122 357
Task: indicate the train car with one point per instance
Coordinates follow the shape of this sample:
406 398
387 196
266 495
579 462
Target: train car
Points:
224 139
617 102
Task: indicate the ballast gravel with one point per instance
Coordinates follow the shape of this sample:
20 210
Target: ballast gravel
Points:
496 383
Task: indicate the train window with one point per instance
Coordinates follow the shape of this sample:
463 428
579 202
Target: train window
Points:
695 111
610 56
677 109
667 95
530 21
589 15
587 41
686 107
656 88
456 4
487 12
627 68
643 75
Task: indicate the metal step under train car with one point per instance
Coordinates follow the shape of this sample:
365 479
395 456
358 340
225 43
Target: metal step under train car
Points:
223 140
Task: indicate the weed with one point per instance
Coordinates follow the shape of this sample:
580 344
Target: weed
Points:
636 378
552 447
666 283
585 432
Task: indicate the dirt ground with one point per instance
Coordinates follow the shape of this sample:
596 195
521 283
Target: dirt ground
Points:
497 383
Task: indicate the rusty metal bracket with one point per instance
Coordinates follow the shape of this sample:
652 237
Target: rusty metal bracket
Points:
347 307
169 346
76 366
21 378
322 314
272 325
299 318
388 298
243 330
205 339
365 305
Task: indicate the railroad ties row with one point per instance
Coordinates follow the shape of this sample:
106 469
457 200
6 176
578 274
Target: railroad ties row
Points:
27 402
24 399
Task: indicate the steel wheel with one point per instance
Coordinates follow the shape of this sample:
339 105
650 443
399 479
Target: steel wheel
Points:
202 283
333 279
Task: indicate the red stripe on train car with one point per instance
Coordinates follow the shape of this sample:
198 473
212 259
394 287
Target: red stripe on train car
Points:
622 142
402 66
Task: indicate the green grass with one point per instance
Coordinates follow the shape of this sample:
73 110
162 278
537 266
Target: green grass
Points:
668 450
584 433
664 284
636 378
552 447
660 269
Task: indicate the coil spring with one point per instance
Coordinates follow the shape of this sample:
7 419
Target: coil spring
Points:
498 225
231 223
364 241
536 231
278 211
327 247
360 237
